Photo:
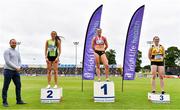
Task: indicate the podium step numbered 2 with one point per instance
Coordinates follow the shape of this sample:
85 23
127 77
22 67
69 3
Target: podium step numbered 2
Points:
159 98
51 95
104 91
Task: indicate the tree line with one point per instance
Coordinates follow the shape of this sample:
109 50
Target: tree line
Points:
172 58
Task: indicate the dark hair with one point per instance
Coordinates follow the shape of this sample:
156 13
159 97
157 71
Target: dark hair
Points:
11 40
56 40
155 37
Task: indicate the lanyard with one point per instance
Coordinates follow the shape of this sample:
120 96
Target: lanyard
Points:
157 48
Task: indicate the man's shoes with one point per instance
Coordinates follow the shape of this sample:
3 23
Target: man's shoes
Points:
21 102
5 104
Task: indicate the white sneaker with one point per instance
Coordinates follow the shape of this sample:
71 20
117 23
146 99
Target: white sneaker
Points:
49 86
55 87
107 79
99 79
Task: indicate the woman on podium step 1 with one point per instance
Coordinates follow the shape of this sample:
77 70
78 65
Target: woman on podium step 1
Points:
99 45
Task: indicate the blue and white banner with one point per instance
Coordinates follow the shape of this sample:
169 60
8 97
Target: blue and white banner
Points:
88 56
132 43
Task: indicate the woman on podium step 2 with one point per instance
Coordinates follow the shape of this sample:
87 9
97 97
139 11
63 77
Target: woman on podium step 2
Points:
52 53
156 56
99 45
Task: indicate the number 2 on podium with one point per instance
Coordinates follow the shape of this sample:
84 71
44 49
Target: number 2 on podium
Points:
50 92
105 88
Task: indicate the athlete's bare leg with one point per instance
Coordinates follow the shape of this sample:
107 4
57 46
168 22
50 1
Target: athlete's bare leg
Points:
97 60
106 65
154 70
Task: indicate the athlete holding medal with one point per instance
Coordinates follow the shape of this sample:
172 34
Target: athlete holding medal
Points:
99 45
52 53
156 56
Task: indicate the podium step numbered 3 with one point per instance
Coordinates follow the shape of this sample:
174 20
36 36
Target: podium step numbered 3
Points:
51 95
104 91
159 98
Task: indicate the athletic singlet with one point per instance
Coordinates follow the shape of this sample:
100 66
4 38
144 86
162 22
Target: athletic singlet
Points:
52 48
99 40
157 53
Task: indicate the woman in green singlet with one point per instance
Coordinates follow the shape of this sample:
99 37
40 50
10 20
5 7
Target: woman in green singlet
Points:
52 53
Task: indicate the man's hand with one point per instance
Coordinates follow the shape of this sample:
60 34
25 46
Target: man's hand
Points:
18 69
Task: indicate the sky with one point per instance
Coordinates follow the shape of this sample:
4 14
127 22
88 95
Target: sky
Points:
31 22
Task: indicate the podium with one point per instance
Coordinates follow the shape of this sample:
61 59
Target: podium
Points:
104 91
51 95
159 98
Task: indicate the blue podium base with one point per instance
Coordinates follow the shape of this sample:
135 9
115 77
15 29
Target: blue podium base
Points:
104 99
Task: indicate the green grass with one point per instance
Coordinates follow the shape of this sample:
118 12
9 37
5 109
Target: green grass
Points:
133 97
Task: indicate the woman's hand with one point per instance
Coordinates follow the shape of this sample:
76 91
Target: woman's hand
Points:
47 60
56 60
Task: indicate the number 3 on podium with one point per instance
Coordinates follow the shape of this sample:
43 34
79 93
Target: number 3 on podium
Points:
105 88
50 92
161 97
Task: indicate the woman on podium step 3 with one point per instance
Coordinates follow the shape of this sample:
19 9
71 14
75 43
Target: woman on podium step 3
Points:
52 53
156 56
99 45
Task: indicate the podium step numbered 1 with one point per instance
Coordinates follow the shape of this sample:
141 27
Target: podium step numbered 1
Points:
104 91
159 98
51 95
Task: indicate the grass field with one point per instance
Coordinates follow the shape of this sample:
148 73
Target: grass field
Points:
133 97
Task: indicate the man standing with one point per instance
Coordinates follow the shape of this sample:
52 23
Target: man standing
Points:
11 69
